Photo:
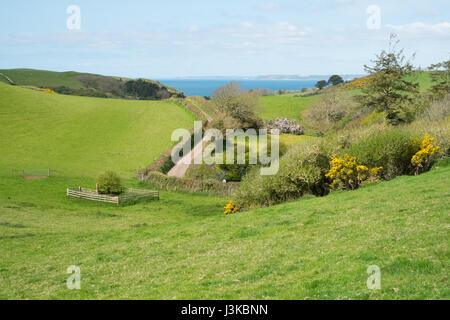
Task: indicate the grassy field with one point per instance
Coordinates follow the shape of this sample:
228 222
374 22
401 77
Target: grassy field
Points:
284 106
82 136
30 77
183 247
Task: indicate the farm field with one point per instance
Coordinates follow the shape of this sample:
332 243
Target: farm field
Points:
284 106
82 136
29 77
183 247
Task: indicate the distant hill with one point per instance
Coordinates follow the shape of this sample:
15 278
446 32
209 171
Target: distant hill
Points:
346 77
92 85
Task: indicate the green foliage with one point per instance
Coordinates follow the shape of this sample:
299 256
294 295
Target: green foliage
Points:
331 111
80 92
92 85
389 89
235 172
302 171
145 90
335 80
242 106
391 149
109 183
321 84
441 78
374 118
209 186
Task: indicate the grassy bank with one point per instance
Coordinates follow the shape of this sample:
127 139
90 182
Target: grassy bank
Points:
183 247
81 136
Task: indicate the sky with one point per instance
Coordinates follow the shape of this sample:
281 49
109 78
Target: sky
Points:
168 39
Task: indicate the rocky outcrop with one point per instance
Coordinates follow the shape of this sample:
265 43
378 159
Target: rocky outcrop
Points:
285 126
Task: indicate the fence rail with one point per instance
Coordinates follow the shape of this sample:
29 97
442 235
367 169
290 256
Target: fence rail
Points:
33 173
92 195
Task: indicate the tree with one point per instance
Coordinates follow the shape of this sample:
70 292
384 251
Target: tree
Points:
441 77
109 183
321 84
335 80
390 87
241 105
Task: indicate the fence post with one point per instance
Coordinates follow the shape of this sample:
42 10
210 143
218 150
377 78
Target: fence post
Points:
23 173
97 188
48 173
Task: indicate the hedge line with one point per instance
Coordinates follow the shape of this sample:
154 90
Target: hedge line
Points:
164 182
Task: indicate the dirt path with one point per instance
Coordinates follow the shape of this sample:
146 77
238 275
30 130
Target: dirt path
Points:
7 78
208 118
181 167
179 170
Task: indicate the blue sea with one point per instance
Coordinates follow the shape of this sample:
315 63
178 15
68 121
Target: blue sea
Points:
206 88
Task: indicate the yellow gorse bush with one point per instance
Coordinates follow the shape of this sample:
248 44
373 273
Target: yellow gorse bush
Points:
426 155
359 83
231 208
346 173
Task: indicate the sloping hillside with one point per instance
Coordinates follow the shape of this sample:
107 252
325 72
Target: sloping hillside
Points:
86 84
183 247
81 135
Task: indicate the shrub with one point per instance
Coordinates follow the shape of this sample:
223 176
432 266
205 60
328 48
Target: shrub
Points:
231 208
332 110
346 174
437 110
109 183
391 149
164 182
302 171
427 155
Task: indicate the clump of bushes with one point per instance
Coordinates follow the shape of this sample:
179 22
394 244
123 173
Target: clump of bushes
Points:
109 183
391 148
332 111
164 182
381 152
302 171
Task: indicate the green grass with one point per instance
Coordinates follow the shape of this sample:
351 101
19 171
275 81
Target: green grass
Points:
30 77
284 106
183 247
82 136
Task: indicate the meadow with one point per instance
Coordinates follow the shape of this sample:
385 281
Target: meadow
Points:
284 106
81 136
183 247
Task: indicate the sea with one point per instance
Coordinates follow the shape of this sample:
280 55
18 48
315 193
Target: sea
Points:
205 88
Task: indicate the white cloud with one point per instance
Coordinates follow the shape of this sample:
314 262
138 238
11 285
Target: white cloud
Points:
420 29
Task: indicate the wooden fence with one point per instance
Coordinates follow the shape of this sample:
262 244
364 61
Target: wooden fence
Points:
92 195
33 173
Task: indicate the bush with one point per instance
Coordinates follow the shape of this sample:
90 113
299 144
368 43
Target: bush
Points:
426 156
109 183
302 171
347 174
391 149
438 109
331 111
164 182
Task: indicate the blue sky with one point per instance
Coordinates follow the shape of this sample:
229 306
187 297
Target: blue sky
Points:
157 39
